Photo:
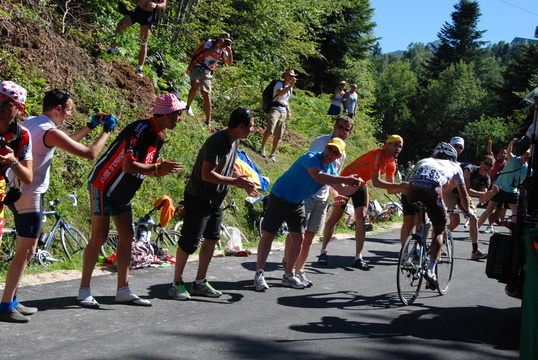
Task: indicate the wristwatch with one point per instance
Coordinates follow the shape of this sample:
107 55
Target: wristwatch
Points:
14 165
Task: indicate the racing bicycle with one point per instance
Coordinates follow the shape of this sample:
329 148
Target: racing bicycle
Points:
414 258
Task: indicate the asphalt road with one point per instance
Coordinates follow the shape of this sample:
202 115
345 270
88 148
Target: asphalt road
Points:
347 314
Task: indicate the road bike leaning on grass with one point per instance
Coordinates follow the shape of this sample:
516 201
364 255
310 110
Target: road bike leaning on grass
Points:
71 238
414 258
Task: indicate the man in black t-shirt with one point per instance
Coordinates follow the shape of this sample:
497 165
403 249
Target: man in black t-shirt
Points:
477 181
211 177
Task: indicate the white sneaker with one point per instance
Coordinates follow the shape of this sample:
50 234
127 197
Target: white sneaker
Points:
490 229
290 280
259 281
302 276
262 152
190 112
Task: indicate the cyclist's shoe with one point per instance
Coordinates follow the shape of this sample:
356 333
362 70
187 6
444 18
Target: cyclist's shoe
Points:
13 316
431 278
259 281
204 289
88 302
262 152
490 230
190 112
290 280
302 277
323 259
361 264
478 254
272 157
139 72
178 291
25 310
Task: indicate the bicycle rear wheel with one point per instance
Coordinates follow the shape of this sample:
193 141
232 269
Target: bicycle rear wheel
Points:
445 265
409 274
168 238
73 241
109 247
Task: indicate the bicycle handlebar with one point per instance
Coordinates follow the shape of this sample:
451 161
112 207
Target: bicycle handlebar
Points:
72 196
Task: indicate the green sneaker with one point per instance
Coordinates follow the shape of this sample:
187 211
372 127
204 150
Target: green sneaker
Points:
204 289
178 291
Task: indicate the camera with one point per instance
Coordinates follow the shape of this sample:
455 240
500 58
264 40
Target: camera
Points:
227 42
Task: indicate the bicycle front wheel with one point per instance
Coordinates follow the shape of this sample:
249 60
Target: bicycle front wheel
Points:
445 265
109 247
73 241
409 274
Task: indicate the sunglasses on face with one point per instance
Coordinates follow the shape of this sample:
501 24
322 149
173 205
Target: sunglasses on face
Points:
458 147
334 152
488 164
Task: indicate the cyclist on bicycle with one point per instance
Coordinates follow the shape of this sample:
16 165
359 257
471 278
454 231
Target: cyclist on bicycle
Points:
425 185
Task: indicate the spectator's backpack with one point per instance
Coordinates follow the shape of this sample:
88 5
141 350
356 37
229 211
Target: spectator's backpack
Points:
267 96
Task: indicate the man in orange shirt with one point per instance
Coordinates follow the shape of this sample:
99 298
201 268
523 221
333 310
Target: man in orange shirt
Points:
368 166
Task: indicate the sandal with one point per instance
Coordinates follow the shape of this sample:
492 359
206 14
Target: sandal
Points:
135 302
89 303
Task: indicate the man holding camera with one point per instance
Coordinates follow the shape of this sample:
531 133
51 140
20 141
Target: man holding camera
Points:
28 210
201 67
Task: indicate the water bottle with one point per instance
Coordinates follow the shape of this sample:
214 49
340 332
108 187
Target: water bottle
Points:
42 238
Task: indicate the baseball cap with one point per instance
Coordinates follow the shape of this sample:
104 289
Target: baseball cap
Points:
167 104
457 140
15 92
394 138
338 144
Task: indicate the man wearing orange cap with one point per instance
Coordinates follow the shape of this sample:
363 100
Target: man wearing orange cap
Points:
368 166
113 182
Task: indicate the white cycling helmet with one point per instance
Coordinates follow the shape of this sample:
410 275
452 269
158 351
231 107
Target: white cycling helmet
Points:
447 150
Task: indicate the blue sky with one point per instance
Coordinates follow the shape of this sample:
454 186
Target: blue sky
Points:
401 22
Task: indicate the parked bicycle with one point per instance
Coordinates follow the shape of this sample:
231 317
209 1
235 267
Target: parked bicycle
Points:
72 240
145 227
414 258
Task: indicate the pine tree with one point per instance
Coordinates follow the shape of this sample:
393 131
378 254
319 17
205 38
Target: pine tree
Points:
459 41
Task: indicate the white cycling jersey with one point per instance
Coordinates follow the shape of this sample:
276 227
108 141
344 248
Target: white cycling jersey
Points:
439 171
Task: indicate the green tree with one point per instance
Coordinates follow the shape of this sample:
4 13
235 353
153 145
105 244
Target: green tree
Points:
448 104
518 77
343 35
459 41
